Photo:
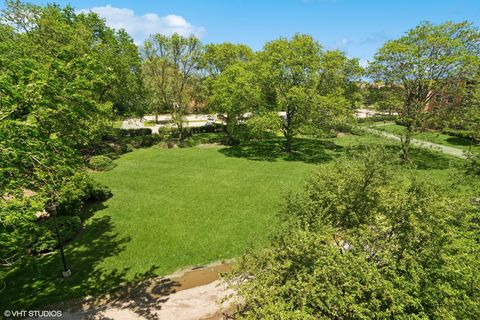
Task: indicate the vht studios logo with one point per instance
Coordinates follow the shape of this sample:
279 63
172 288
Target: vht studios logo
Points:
32 313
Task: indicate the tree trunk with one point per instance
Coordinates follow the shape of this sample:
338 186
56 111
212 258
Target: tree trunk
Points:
288 142
406 144
231 125
180 132
287 131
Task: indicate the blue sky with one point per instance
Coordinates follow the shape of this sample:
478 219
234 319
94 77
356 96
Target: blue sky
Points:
356 27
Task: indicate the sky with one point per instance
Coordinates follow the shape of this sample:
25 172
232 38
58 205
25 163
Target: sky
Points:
357 27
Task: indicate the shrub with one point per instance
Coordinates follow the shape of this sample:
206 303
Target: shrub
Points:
98 191
72 195
217 127
45 239
127 148
472 166
458 133
101 163
361 242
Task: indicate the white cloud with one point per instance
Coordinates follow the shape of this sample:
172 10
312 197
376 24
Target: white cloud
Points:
341 44
141 26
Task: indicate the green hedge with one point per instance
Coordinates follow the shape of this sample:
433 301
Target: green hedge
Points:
136 132
378 118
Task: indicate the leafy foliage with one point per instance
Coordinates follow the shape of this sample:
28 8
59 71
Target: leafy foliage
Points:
101 163
234 93
363 243
170 67
60 78
423 62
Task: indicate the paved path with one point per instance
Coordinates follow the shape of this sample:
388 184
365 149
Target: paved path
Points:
419 143
197 120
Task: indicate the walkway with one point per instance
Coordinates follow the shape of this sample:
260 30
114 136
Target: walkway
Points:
419 143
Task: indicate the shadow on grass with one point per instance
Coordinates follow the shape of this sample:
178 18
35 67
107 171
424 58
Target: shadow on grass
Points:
423 158
459 141
307 150
36 282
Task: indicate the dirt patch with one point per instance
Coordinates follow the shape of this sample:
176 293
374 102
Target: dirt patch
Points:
187 279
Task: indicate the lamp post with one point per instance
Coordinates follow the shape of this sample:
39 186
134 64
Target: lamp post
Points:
66 272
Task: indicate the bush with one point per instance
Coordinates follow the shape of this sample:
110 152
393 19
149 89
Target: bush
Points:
72 195
127 148
472 166
217 127
101 163
98 191
45 239
362 242
349 128
401 122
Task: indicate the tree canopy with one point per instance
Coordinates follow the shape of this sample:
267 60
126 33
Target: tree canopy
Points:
423 62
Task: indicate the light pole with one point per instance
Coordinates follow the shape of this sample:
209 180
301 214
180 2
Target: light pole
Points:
66 272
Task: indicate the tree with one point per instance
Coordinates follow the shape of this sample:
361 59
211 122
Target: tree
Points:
170 66
313 88
340 76
361 242
423 62
218 57
234 93
290 68
384 98
116 50
54 104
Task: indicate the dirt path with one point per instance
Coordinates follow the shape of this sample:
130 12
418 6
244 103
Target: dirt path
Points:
194 294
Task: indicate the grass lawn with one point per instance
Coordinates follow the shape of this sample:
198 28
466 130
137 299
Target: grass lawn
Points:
435 137
117 124
174 208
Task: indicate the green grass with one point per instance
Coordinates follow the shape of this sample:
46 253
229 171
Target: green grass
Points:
435 137
150 123
174 208
171 208
117 124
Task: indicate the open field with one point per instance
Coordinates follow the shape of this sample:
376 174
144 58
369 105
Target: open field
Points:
182 207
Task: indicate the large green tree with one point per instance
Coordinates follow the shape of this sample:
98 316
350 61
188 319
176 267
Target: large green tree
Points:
235 92
289 67
171 70
312 88
423 62
57 77
218 57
